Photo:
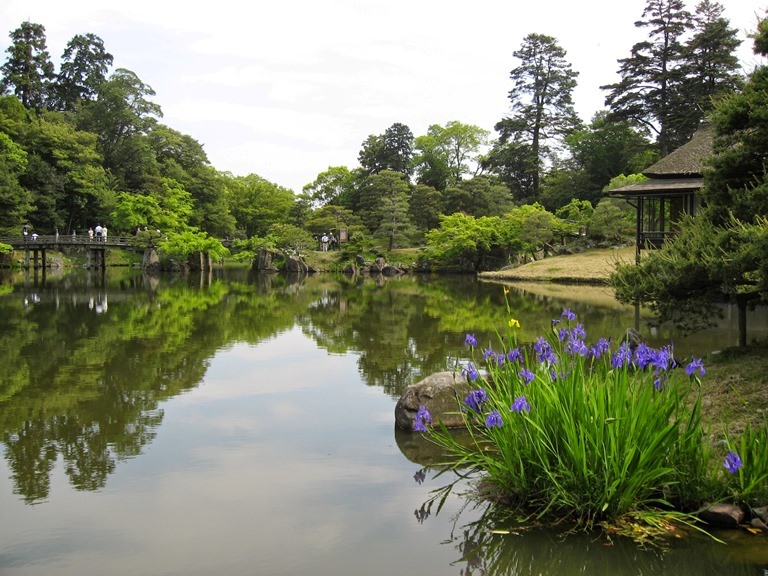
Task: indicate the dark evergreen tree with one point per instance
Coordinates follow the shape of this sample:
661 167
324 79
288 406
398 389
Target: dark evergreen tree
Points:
84 67
28 71
424 207
721 253
542 110
709 67
667 83
392 150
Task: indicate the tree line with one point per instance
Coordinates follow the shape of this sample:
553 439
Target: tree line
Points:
86 145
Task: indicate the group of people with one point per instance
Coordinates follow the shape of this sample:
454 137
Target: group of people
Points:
25 231
328 240
100 232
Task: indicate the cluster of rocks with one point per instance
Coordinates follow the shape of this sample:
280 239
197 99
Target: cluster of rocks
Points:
378 266
294 264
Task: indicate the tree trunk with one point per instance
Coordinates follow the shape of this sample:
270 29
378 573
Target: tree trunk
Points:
741 303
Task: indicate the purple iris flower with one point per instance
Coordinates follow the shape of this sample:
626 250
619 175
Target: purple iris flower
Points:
493 420
732 462
476 399
422 418
695 366
470 372
520 405
526 375
602 346
515 355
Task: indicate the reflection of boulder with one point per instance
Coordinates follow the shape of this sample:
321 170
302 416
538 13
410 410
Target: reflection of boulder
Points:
441 393
420 450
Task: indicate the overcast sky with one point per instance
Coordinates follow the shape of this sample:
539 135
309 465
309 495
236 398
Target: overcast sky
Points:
286 88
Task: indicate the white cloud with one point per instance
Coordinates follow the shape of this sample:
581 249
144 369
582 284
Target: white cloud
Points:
286 89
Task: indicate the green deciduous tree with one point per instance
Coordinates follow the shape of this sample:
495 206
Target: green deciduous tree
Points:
168 209
182 244
64 174
467 243
542 112
28 71
122 116
598 152
446 154
331 187
14 199
290 238
332 218
530 229
257 204
577 215
182 158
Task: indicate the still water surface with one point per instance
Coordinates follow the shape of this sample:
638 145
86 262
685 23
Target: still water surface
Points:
234 424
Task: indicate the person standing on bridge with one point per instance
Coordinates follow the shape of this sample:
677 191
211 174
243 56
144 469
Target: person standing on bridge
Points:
90 234
98 230
104 233
25 231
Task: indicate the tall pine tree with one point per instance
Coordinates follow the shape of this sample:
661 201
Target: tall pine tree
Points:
28 71
668 82
650 76
542 113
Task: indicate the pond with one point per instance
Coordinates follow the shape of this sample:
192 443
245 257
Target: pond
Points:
234 424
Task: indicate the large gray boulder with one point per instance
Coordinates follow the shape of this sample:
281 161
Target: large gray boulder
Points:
151 260
295 265
263 262
441 394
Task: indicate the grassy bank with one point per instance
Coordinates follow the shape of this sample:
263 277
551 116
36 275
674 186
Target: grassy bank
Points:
591 266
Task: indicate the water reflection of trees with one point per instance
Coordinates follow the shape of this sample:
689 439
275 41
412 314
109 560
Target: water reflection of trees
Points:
87 387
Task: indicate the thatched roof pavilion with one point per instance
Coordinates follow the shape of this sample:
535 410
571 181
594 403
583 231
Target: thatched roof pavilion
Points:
670 191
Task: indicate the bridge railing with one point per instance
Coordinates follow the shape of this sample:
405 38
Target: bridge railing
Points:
45 241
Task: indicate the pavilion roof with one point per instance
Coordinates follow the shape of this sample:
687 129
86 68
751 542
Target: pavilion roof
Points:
679 172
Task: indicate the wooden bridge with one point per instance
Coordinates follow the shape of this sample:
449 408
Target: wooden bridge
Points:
96 248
